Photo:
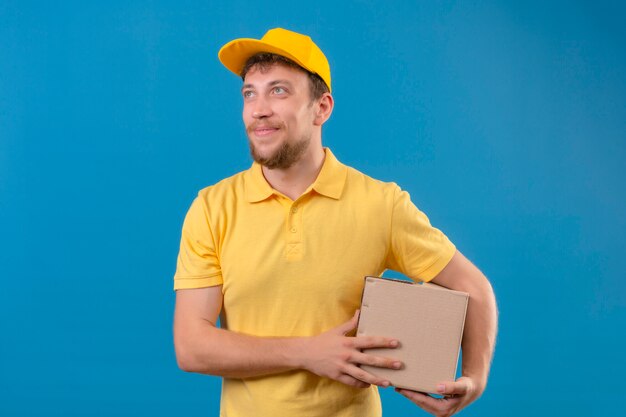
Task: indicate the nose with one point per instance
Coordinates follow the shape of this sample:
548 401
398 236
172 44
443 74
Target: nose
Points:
261 108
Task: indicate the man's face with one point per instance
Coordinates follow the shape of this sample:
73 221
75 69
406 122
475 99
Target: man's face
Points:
278 115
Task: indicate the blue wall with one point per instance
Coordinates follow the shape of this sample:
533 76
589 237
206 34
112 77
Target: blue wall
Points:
504 120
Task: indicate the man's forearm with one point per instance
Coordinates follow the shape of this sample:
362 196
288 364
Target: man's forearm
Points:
210 350
480 331
203 348
481 320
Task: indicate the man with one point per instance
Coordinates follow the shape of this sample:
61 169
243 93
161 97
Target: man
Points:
279 252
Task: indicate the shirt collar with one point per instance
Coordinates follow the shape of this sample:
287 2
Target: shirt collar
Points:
329 182
332 177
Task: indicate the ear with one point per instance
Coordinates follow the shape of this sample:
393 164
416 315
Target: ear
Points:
324 108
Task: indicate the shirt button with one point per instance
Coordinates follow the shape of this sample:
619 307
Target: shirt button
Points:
293 230
294 209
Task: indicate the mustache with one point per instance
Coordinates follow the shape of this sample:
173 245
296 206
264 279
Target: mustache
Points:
263 124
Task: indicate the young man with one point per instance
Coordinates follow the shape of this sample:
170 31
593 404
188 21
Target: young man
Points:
279 253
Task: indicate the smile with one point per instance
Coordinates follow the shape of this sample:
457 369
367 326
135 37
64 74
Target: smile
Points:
264 131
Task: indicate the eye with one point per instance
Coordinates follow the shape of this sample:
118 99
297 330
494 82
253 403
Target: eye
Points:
279 90
248 94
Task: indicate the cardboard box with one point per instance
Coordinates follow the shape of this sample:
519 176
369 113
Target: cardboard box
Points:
428 321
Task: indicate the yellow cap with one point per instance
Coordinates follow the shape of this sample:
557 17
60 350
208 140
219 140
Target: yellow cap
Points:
295 46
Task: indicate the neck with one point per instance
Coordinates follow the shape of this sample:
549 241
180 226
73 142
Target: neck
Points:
294 181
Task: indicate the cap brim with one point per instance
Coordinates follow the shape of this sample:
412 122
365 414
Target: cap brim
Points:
235 53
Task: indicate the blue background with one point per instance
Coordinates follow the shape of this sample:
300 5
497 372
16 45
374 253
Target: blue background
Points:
506 121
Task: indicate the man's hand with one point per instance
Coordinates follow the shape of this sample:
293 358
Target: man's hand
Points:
334 355
457 395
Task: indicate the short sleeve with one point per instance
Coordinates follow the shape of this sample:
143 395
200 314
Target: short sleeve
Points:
198 265
418 250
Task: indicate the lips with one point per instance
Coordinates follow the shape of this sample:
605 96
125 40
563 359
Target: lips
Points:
260 129
264 131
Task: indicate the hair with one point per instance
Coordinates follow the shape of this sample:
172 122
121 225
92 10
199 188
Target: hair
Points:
265 60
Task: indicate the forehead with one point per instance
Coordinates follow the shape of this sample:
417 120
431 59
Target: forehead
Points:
259 75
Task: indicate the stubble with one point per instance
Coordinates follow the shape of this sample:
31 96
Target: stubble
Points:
284 157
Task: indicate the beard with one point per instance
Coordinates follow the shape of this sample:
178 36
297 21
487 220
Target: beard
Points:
284 157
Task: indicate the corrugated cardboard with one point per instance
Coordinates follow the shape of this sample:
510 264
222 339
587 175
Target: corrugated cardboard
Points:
428 321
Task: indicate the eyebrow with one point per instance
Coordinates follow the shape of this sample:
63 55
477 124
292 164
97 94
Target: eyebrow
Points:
271 84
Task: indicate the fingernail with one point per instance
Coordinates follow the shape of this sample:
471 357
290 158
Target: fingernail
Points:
393 343
397 365
385 384
441 388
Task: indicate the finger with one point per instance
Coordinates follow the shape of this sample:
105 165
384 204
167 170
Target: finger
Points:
377 361
431 404
365 376
459 387
369 342
353 382
426 402
349 325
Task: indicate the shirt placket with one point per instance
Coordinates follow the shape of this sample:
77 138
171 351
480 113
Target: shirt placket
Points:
294 232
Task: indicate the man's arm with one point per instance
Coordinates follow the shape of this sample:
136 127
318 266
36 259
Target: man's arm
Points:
204 348
479 338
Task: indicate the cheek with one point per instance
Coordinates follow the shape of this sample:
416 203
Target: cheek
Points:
302 114
246 115
307 118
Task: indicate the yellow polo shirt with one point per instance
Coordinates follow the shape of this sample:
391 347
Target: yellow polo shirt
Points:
296 268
